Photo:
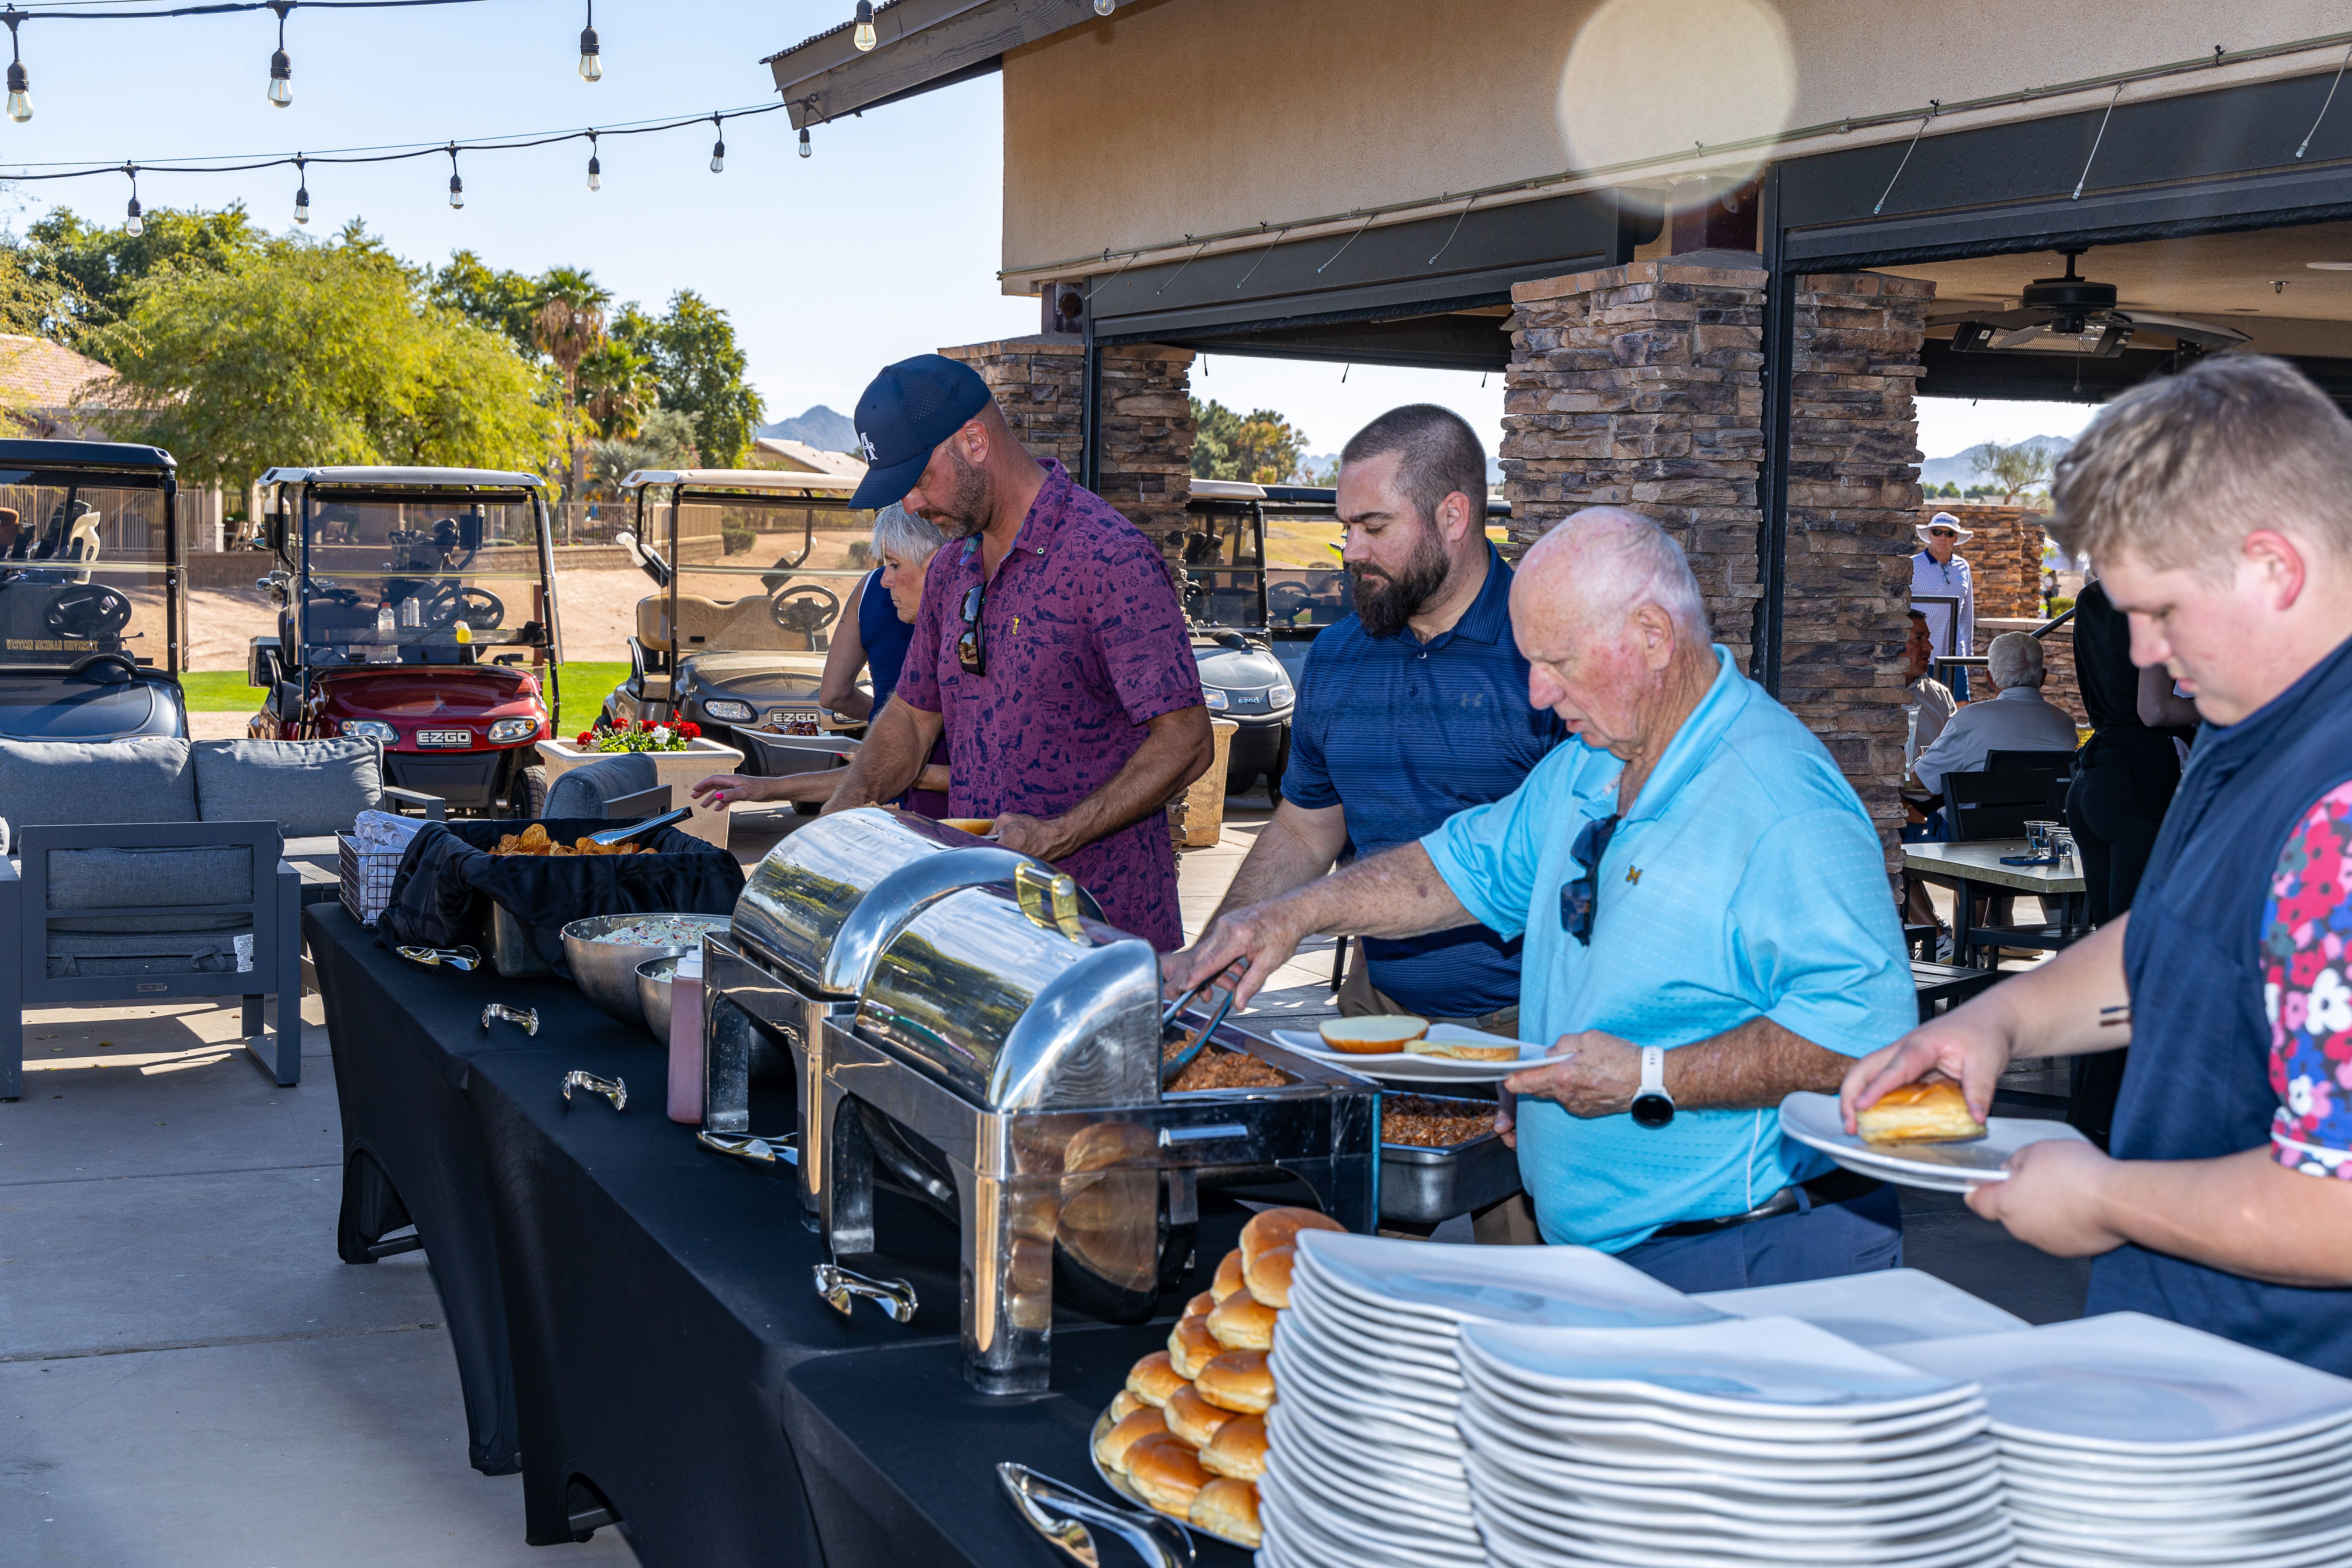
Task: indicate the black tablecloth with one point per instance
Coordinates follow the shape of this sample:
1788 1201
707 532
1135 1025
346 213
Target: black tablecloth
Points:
653 1302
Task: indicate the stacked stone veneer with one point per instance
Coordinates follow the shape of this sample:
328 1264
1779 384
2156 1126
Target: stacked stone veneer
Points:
1146 445
1642 387
2004 557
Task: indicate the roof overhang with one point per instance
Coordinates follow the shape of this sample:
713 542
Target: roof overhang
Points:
924 44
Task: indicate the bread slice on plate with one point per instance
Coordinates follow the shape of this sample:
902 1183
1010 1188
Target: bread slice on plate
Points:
1932 1110
1464 1050
1379 1035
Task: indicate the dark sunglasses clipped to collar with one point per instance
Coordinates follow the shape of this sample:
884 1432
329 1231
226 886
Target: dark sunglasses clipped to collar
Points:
969 653
1580 899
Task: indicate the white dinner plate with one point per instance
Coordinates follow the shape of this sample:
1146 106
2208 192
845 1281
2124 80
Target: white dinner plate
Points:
1758 1368
1371 1543
1440 1480
1553 1541
1822 1540
1736 1491
1615 1441
1360 1357
1558 1287
1885 1307
1359 1505
2174 1539
2050 1555
1927 1496
1535 1406
1814 1119
2130 1385
2110 1491
1407 1067
2321 1447
1427 1350
1300 1371
1662 1512
1764 1463
2191 1552
1291 1450
1374 1426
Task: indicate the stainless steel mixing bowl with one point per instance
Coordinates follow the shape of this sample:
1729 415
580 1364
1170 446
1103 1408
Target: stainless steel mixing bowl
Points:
606 972
653 994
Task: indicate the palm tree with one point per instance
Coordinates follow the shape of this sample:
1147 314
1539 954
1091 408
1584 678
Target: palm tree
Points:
568 328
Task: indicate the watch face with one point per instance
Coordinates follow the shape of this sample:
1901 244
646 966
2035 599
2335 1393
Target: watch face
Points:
1652 1110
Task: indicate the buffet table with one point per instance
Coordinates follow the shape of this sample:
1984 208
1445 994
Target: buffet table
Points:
637 1314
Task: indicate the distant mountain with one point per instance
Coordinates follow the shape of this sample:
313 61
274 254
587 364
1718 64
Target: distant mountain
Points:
821 428
1960 467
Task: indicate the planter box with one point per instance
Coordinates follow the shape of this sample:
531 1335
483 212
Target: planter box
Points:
1197 817
677 769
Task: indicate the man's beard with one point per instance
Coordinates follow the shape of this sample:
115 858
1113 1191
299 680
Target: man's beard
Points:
964 512
1384 602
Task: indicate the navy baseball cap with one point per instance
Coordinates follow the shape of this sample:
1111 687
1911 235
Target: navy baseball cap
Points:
904 414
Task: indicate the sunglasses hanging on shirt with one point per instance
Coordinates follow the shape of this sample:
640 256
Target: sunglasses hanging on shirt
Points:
1580 899
969 652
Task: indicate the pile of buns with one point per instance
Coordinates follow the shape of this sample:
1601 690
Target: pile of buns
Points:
1188 1429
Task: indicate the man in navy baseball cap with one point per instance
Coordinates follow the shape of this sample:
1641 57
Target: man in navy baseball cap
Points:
906 414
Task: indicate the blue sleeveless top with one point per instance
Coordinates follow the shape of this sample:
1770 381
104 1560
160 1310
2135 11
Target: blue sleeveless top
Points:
886 636
2197 1084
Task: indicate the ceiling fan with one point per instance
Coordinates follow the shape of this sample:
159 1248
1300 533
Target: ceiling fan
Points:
2072 315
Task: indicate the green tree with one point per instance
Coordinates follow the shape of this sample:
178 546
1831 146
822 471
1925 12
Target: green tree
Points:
91 272
697 369
1260 447
569 328
309 352
490 297
2013 470
616 389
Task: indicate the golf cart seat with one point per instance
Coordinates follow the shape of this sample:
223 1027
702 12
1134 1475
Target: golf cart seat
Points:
325 617
744 625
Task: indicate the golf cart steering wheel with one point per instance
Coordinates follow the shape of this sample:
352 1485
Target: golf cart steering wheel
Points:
89 663
1284 601
477 608
807 609
87 610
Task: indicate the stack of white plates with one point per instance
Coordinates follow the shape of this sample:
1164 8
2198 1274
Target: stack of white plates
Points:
1757 1441
1364 1462
2126 1441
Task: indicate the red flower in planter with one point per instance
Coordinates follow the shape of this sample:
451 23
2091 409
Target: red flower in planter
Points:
587 737
691 731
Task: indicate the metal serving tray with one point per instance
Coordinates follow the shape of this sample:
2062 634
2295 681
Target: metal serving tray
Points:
1422 1186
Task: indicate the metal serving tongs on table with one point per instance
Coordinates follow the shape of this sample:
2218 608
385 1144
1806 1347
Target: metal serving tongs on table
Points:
1172 1065
623 834
1056 1511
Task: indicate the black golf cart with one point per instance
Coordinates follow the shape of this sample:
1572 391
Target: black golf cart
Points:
92 602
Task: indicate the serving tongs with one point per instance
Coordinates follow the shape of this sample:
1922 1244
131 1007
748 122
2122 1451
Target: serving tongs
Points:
1172 1067
765 1152
612 836
459 958
1056 1511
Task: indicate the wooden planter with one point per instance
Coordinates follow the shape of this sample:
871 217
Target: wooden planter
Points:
678 770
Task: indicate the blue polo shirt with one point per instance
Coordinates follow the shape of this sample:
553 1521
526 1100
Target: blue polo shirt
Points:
1403 734
1748 880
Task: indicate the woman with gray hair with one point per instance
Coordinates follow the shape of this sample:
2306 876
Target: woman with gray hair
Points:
875 629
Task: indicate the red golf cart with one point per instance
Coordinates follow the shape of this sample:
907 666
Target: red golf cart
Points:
416 606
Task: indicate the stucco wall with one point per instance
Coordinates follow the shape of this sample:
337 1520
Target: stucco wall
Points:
1177 117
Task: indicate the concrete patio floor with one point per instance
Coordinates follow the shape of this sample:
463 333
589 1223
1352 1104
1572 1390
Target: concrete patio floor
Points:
189 1378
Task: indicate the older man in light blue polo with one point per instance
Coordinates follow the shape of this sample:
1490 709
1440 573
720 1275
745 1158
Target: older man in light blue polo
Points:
1708 925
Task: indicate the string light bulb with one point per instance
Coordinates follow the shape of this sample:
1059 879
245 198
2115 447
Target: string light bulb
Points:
457 186
591 63
595 167
1105 7
133 224
864 37
718 148
805 141
281 64
20 100
302 191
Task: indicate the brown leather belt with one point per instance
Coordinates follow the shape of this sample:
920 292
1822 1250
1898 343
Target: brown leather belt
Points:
1838 1186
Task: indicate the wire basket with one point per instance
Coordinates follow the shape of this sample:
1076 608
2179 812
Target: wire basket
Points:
367 877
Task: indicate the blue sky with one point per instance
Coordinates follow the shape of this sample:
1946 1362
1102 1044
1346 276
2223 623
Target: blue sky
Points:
883 243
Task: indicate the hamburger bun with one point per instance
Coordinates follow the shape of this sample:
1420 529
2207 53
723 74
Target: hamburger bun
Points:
1124 1404
1228 1507
1229 1276
981 827
1192 1419
1270 1228
1242 1322
1238 1449
1932 1110
1154 1378
1200 1305
1190 1343
1464 1051
1268 1276
1112 1446
1238 1381
1380 1034
1165 1473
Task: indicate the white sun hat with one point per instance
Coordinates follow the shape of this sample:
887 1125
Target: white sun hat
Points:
1946 519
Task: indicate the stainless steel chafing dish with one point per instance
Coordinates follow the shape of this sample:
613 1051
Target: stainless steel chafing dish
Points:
963 1024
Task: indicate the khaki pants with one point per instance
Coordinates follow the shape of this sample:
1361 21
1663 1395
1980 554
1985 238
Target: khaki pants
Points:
1512 1222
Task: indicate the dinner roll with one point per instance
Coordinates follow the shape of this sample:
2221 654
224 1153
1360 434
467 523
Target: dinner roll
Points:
1268 1275
1227 1508
1192 1419
1154 1378
1124 1404
1112 1446
1190 1343
1236 1380
1242 1322
1165 1473
1229 1276
1200 1305
1238 1449
1270 1228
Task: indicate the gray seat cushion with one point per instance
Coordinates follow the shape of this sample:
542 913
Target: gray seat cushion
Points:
159 879
49 783
77 956
307 788
583 791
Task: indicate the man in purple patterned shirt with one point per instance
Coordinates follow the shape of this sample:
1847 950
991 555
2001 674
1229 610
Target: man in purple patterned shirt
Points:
1050 648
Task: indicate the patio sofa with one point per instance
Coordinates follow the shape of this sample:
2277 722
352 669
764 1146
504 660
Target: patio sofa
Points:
182 888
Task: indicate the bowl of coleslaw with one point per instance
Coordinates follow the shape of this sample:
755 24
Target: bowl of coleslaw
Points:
605 950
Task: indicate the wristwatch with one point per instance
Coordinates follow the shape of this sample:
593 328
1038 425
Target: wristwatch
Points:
1652 1106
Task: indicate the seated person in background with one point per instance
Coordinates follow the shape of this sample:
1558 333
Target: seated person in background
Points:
875 629
1930 703
2016 720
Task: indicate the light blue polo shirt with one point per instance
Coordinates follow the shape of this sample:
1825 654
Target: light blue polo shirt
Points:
1748 880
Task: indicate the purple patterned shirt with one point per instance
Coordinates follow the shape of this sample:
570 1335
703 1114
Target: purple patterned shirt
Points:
1085 642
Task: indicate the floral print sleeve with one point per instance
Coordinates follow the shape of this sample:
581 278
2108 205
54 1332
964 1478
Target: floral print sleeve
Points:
2306 927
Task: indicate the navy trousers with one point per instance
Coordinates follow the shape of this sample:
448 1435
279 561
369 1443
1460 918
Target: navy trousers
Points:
1814 1242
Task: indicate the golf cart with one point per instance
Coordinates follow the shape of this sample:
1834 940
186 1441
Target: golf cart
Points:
416 606
753 567
1221 553
91 595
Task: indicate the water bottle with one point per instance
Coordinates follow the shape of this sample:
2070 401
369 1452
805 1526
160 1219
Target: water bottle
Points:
385 627
412 613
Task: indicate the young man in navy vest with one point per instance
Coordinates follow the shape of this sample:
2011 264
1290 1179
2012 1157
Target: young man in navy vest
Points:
2218 506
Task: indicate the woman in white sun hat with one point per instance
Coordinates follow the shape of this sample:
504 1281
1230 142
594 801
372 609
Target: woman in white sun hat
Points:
1938 571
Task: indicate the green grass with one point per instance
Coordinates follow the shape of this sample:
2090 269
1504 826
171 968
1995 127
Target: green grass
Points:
585 686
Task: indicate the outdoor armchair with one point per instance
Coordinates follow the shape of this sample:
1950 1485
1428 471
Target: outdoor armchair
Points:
624 786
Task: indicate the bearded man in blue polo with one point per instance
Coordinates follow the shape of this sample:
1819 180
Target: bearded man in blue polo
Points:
1707 925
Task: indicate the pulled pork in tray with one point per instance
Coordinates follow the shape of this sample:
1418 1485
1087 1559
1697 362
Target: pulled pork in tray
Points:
1432 1123
1217 1068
